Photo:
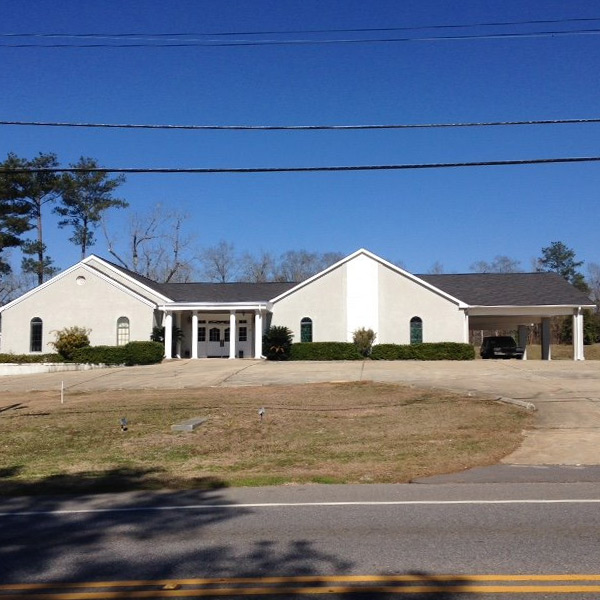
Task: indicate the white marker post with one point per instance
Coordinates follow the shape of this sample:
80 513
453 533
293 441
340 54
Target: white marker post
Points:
62 392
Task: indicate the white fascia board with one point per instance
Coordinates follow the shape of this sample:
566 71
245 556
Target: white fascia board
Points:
380 260
39 288
133 280
87 269
214 306
533 310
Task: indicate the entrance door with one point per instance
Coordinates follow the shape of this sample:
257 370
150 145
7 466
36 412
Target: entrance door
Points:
218 340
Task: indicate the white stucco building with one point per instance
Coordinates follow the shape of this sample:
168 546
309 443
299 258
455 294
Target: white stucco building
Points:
361 290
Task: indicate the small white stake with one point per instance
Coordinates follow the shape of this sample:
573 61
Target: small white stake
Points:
62 392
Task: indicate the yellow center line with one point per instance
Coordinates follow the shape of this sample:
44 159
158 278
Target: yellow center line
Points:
300 579
408 589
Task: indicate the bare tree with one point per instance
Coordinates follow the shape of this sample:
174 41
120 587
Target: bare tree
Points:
437 268
257 269
593 281
219 262
500 264
156 246
298 265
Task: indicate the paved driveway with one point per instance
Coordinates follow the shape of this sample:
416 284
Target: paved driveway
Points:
566 394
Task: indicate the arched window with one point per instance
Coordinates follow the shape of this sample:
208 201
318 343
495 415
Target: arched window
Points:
214 334
122 331
306 330
416 330
35 335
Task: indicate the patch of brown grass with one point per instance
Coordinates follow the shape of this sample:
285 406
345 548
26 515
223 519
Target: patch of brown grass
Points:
338 433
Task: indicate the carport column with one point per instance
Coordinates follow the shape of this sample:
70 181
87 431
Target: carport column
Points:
194 334
168 334
232 333
523 336
578 334
546 351
258 334
466 328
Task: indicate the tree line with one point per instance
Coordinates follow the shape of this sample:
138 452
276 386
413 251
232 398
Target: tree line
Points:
155 243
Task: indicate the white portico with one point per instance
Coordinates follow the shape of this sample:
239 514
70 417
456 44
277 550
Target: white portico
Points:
226 330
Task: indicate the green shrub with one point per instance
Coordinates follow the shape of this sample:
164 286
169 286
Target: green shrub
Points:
31 358
363 340
101 355
432 351
69 339
144 353
325 351
277 342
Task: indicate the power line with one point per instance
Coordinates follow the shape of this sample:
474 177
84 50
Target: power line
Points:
299 127
246 43
233 170
295 31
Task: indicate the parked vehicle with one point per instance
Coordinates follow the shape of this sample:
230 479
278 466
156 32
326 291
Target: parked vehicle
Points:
500 346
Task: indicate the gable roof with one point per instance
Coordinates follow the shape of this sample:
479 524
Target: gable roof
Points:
509 289
381 261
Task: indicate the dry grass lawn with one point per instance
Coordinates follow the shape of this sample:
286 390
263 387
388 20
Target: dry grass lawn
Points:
328 433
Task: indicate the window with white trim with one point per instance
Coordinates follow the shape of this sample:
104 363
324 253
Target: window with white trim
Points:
122 331
36 329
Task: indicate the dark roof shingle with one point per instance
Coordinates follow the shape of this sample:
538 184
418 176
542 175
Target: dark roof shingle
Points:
508 289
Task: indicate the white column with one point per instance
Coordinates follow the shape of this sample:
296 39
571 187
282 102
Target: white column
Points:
466 328
523 336
232 334
194 334
546 349
258 334
168 334
578 334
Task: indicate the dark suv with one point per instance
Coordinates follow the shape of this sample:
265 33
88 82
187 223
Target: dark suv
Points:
500 346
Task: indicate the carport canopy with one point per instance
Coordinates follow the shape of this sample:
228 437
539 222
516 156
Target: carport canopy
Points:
516 301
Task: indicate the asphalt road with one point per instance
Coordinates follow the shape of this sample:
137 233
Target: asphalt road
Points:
431 538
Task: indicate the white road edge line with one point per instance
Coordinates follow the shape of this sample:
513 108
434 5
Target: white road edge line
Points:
127 509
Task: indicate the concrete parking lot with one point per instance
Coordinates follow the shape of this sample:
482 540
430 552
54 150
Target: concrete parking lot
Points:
566 394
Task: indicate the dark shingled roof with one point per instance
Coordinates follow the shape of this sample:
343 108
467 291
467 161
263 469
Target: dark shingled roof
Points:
211 292
224 292
475 289
508 289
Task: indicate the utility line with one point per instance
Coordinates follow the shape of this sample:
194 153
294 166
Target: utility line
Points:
300 127
194 170
245 43
294 31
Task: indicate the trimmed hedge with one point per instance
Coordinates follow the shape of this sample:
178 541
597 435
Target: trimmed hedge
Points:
144 353
31 358
325 351
433 351
134 353
101 355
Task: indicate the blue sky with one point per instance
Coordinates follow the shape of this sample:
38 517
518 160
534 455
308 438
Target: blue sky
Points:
454 216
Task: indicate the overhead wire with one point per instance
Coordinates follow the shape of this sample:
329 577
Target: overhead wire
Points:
138 35
300 127
244 170
248 43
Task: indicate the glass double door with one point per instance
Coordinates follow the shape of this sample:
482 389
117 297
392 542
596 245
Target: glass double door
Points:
218 340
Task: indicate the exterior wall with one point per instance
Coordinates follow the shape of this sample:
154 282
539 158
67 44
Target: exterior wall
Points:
93 303
366 293
323 300
401 299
